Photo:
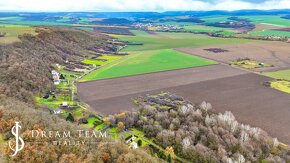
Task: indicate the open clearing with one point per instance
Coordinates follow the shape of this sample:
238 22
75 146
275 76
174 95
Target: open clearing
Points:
147 62
226 88
13 31
272 53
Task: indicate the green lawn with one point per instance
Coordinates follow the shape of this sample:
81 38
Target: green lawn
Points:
283 74
167 40
147 62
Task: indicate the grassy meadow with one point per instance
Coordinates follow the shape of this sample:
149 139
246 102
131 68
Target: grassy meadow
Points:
147 62
13 31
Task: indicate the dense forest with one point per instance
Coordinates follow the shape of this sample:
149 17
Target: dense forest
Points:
25 70
25 66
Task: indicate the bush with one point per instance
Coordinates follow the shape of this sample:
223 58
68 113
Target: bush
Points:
139 142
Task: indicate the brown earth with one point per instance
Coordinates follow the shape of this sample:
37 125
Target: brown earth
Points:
263 27
226 88
103 89
273 53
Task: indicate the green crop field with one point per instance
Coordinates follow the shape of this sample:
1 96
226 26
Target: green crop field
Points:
147 62
269 19
175 23
216 18
174 40
271 33
200 28
283 74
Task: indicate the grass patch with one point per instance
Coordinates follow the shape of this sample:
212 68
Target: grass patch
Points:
143 144
13 31
78 113
283 74
248 64
114 133
101 60
168 40
53 103
100 126
147 62
2 143
282 85
92 120
69 75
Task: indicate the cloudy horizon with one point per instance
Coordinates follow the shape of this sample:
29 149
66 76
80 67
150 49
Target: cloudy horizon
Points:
139 5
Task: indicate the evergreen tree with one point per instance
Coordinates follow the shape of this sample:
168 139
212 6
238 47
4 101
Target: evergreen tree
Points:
70 117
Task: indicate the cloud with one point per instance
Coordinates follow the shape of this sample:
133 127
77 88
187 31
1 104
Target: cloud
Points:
139 5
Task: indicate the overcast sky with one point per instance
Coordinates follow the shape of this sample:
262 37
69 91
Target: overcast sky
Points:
139 5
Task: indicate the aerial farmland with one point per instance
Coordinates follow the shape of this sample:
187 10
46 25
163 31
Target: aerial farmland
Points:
163 87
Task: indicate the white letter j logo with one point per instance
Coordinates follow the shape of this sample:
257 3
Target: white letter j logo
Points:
15 132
